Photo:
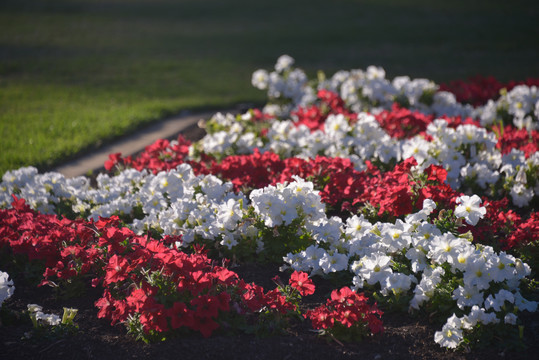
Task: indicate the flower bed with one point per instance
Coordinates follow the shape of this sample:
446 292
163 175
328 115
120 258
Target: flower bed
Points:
367 182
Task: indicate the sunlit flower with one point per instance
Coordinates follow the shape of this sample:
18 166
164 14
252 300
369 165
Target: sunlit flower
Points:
469 208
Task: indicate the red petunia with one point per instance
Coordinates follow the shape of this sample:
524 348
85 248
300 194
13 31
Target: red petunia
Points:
301 282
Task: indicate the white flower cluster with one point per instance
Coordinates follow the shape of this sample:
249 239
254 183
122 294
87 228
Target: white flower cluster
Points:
285 83
6 287
41 191
452 333
231 136
369 90
371 252
39 317
174 202
521 103
468 153
282 204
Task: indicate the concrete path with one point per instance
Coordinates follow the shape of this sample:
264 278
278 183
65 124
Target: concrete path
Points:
133 143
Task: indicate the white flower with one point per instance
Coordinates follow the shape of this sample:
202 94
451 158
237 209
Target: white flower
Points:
445 248
284 62
357 226
501 267
478 315
34 308
428 208
417 148
333 262
6 287
476 273
375 268
229 214
397 283
418 259
228 240
449 337
336 126
426 287
521 195
467 296
469 208
49 319
497 302
260 79
480 173
510 319
523 304
312 255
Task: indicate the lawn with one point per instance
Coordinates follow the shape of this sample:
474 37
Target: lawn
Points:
74 74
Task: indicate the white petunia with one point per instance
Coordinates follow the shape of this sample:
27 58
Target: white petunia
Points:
467 296
397 283
476 274
521 195
469 208
497 302
450 336
260 79
445 248
284 62
375 268
333 262
510 319
6 287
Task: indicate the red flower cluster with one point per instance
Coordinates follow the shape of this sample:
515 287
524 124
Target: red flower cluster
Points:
159 156
346 309
249 171
165 288
478 90
512 138
40 236
340 185
398 192
401 123
503 228
315 115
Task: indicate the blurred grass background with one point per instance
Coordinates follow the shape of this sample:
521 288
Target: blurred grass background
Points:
77 73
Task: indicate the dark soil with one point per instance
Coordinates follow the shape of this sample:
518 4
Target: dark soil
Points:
405 337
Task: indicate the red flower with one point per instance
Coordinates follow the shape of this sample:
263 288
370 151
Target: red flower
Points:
116 270
301 282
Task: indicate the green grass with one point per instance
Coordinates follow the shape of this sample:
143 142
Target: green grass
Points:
76 73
